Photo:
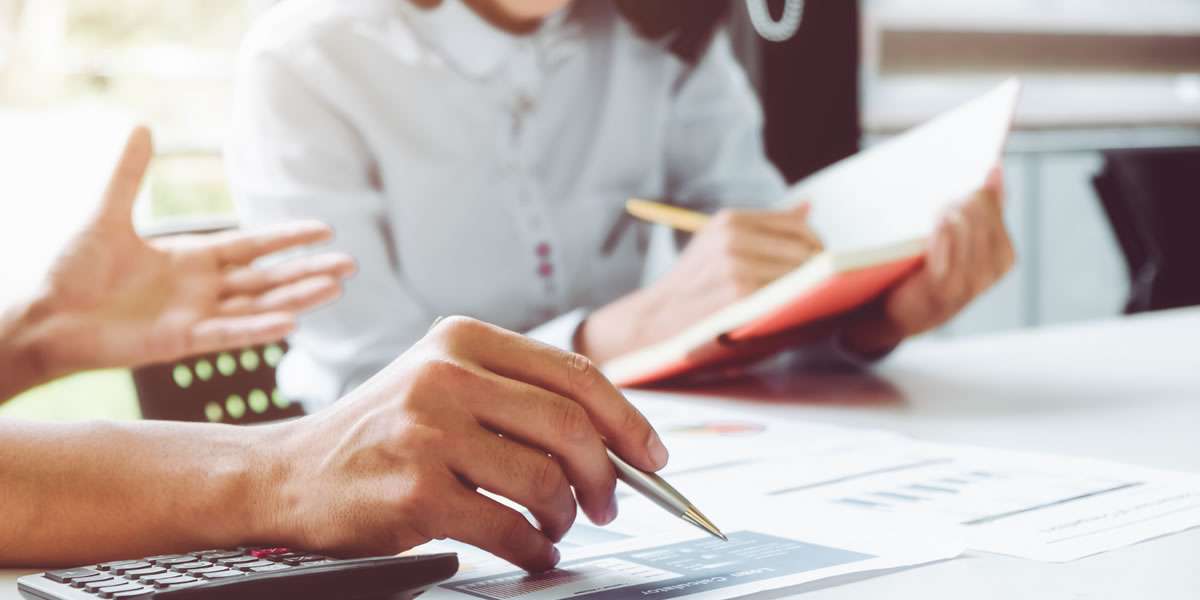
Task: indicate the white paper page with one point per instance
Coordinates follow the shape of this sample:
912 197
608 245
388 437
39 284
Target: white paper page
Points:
777 553
1028 505
899 189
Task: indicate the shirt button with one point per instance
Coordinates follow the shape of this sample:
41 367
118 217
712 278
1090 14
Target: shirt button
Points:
525 104
546 269
543 249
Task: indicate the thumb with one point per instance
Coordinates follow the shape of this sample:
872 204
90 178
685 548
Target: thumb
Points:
802 210
117 203
995 183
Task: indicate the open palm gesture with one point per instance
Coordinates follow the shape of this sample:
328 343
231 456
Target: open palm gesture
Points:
115 299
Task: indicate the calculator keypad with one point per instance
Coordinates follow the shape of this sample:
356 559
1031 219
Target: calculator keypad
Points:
136 578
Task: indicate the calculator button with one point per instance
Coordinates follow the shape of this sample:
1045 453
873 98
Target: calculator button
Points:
212 569
128 587
82 581
269 568
153 578
165 583
145 571
69 575
237 560
217 554
114 564
199 564
96 585
133 566
147 593
223 574
251 565
170 560
304 559
160 557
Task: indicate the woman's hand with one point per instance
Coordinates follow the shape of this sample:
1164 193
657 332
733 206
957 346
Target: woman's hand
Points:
113 299
471 407
968 254
735 255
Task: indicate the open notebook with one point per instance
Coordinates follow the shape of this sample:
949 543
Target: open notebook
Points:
892 197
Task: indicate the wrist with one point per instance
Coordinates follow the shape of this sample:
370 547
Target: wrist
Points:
25 331
268 505
618 328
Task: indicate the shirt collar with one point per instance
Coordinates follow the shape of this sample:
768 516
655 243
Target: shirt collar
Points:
474 46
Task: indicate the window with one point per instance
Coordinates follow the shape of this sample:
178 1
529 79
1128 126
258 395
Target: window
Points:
168 63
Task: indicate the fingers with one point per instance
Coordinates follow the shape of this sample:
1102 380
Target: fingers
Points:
751 273
495 528
244 247
557 425
126 180
568 374
521 474
792 222
294 298
784 252
248 280
955 285
223 333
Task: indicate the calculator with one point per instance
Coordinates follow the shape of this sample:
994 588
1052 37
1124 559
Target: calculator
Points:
244 574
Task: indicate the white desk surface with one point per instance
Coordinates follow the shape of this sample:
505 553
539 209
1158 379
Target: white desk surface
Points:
1126 390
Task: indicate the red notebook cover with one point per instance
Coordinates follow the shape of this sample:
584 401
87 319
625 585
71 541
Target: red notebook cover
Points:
843 292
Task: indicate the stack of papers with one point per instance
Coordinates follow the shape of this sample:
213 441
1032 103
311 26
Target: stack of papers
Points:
805 502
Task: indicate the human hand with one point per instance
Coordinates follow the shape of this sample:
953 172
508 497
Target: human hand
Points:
968 254
113 299
469 407
736 254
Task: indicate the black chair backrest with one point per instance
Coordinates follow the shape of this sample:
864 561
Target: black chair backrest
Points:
237 386
226 387
1152 199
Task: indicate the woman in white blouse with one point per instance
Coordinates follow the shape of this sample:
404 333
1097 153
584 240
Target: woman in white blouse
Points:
474 157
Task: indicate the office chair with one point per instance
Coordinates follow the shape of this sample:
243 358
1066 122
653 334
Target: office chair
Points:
1152 199
236 386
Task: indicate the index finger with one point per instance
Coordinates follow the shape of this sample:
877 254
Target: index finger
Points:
572 375
245 246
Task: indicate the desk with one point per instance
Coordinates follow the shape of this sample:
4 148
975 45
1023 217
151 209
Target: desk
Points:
1126 390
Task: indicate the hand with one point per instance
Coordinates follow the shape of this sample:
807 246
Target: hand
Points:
113 299
471 406
735 255
969 253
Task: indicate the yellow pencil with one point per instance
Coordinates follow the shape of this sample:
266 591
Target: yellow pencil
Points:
665 214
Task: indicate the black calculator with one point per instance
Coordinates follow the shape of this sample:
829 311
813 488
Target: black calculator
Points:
244 574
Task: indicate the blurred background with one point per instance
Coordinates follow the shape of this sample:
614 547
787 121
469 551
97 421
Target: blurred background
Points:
1112 100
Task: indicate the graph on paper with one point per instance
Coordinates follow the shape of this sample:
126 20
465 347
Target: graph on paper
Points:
969 494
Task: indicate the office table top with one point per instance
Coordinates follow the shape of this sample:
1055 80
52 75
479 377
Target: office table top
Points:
1125 390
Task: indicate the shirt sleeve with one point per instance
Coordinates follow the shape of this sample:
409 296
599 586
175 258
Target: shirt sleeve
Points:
294 156
716 155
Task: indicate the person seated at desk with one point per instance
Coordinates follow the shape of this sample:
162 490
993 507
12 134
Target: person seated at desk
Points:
475 156
394 465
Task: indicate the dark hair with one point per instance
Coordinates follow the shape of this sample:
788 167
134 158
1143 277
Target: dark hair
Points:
689 25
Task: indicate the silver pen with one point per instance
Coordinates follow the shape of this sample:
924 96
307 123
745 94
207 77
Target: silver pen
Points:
658 491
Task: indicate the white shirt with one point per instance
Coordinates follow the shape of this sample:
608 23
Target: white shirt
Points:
475 172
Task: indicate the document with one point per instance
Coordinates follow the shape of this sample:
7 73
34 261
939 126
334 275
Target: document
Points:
768 556
1029 505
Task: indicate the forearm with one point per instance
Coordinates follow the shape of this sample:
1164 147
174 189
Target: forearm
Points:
22 334
88 492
